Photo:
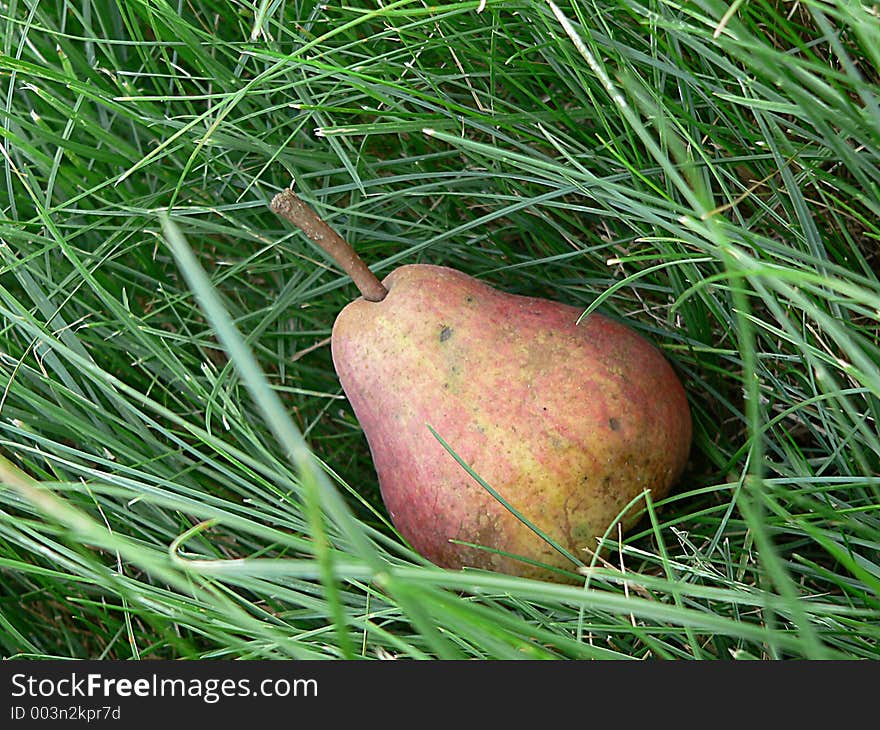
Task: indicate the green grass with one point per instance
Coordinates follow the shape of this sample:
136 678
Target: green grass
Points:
181 475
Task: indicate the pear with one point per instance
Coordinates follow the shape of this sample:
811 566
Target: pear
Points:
568 420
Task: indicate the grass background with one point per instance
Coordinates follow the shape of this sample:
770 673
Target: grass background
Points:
181 475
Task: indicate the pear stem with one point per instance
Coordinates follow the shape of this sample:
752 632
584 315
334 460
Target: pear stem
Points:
291 207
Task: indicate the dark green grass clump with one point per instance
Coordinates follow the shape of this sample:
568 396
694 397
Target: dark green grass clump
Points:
181 475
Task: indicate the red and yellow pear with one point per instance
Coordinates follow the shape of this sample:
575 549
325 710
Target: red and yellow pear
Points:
567 419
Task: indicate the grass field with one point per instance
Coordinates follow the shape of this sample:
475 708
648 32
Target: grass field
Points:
181 474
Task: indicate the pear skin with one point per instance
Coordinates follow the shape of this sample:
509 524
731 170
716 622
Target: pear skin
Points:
568 422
